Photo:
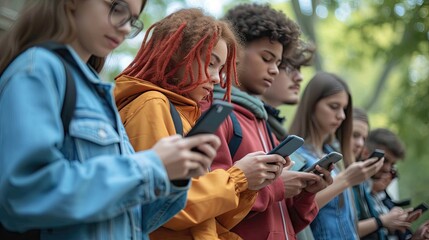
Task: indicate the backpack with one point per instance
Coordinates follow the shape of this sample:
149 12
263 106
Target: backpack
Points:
176 119
67 111
237 136
67 60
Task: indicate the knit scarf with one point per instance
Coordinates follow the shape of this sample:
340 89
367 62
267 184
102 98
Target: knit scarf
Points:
252 103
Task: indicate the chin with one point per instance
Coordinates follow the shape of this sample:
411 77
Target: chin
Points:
259 91
291 101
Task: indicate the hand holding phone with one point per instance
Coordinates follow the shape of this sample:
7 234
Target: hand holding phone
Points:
422 206
288 146
378 153
210 121
414 214
325 162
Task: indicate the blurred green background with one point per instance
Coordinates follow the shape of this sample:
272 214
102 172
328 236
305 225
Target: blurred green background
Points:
380 47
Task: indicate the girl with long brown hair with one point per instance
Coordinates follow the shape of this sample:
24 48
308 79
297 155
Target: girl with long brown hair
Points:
324 119
79 178
181 59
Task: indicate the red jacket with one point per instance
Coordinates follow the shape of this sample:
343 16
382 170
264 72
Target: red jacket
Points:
265 221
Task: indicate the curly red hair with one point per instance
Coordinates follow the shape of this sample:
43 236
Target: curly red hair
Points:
177 42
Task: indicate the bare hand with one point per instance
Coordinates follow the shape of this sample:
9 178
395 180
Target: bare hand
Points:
413 215
422 233
324 179
261 169
358 172
294 182
396 219
183 163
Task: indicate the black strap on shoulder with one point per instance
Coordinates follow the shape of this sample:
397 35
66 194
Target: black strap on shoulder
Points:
270 134
69 102
67 110
176 119
237 136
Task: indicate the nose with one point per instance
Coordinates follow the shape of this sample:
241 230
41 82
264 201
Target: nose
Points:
273 69
126 28
215 78
297 77
341 114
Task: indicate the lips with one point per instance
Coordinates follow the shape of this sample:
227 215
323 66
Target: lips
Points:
295 87
208 89
114 42
269 81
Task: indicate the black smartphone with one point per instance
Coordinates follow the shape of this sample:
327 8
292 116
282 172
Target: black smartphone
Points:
378 153
325 162
288 146
422 206
212 118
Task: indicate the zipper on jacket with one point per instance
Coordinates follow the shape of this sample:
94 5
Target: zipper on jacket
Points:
264 144
283 220
280 204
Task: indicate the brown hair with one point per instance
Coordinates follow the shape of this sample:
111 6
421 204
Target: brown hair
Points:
176 42
361 115
301 55
323 85
383 137
41 21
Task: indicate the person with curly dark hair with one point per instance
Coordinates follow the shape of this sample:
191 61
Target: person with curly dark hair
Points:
266 35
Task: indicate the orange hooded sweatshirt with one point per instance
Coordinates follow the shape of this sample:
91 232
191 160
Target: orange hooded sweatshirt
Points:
216 201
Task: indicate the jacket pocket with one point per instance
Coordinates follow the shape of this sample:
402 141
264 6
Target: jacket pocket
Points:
93 137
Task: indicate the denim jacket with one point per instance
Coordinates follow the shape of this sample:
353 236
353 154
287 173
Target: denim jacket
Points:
336 220
88 184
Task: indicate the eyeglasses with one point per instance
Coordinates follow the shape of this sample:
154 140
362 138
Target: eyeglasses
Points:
120 14
394 173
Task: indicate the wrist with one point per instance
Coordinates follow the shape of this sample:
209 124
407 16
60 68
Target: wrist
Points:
379 223
342 178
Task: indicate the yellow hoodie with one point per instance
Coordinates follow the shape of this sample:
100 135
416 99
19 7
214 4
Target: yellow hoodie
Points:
211 211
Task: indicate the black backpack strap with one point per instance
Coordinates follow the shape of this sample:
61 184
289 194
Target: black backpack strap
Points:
69 102
179 130
176 119
67 110
237 136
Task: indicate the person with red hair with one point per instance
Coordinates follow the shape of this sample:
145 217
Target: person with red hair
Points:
186 54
